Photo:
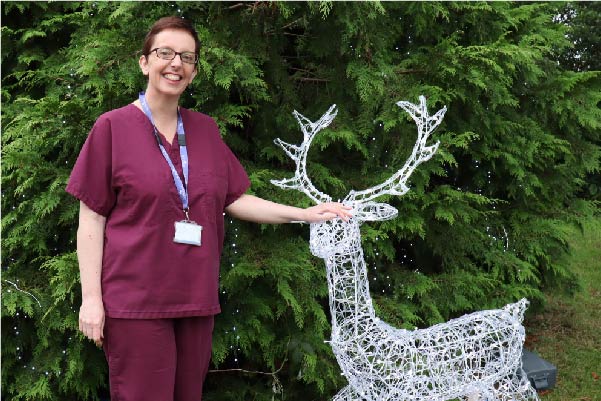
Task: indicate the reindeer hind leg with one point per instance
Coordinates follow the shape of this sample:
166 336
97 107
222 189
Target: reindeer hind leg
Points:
515 387
347 394
478 393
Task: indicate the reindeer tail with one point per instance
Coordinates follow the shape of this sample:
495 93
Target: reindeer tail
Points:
517 309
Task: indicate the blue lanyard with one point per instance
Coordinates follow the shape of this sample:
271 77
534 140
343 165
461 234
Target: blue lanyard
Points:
183 151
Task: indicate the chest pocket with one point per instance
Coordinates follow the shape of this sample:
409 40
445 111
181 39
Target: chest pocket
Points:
207 191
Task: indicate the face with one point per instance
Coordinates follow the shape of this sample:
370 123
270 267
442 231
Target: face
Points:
169 77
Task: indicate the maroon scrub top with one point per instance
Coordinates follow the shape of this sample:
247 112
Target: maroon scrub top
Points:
121 174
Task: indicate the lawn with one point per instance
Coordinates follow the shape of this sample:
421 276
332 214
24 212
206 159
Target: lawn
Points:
568 332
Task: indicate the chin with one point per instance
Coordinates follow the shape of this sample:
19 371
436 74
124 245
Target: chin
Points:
166 91
174 92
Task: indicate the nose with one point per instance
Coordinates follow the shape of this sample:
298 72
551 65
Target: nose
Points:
177 61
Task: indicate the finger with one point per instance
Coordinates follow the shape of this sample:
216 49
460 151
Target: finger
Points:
90 331
341 206
331 212
328 215
86 329
98 343
344 211
95 333
342 214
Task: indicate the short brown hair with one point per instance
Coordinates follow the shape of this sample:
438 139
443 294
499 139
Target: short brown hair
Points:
170 23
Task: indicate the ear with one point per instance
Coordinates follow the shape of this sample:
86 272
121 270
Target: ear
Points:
193 74
143 62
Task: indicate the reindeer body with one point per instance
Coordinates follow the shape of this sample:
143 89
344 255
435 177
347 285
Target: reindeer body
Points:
475 356
382 362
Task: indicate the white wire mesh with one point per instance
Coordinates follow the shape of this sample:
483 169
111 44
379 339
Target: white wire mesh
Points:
477 356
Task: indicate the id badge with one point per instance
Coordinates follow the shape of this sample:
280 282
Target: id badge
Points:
187 232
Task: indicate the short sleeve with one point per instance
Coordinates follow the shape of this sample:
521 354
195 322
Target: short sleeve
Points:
238 181
92 177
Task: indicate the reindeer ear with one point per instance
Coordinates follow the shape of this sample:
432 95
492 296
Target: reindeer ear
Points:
372 211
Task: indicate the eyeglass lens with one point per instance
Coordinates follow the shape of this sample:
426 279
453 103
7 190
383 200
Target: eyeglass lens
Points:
169 54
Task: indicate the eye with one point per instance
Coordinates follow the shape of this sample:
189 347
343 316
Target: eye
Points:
165 52
189 57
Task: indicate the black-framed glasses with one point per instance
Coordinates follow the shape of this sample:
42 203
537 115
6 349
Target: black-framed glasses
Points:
167 53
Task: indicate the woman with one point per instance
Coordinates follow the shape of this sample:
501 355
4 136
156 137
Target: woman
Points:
153 182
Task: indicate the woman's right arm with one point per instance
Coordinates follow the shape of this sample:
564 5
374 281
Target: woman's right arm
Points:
90 243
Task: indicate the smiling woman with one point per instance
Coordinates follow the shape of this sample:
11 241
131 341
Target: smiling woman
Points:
169 75
151 226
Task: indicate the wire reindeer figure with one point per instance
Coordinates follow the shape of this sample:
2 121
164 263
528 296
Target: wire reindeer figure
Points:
477 356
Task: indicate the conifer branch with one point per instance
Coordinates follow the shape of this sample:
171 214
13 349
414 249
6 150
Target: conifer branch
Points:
251 371
291 23
24 292
413 71
236 6
308 79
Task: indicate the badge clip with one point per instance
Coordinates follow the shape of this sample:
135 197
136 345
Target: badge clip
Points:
187 231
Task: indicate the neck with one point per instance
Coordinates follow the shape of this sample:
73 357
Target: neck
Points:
163 107
349 289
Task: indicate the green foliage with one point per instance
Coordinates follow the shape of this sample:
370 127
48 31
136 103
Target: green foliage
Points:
583 20
574 320
482 225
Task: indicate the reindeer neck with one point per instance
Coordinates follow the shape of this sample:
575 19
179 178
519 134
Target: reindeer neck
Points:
350 302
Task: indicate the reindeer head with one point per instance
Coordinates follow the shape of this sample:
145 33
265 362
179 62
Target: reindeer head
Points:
338 236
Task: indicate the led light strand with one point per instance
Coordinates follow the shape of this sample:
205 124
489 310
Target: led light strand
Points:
476 356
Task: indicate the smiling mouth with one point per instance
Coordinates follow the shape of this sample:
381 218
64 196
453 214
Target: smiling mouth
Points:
172 77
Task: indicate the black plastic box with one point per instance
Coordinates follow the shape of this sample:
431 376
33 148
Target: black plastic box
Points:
541 374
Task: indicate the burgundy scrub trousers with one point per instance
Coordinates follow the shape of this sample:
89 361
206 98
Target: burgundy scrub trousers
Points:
158 359
159 296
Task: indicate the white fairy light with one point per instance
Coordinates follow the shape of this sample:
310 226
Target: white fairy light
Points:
24 292
477 356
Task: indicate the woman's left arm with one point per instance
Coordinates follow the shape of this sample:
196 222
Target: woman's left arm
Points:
251 208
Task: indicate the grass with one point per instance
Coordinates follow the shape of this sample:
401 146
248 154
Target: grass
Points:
568 332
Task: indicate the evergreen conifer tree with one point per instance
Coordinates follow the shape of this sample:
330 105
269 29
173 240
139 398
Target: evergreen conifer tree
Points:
584 22
481 226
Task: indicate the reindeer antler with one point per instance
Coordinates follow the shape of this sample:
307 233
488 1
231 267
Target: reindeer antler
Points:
298 153
396 184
